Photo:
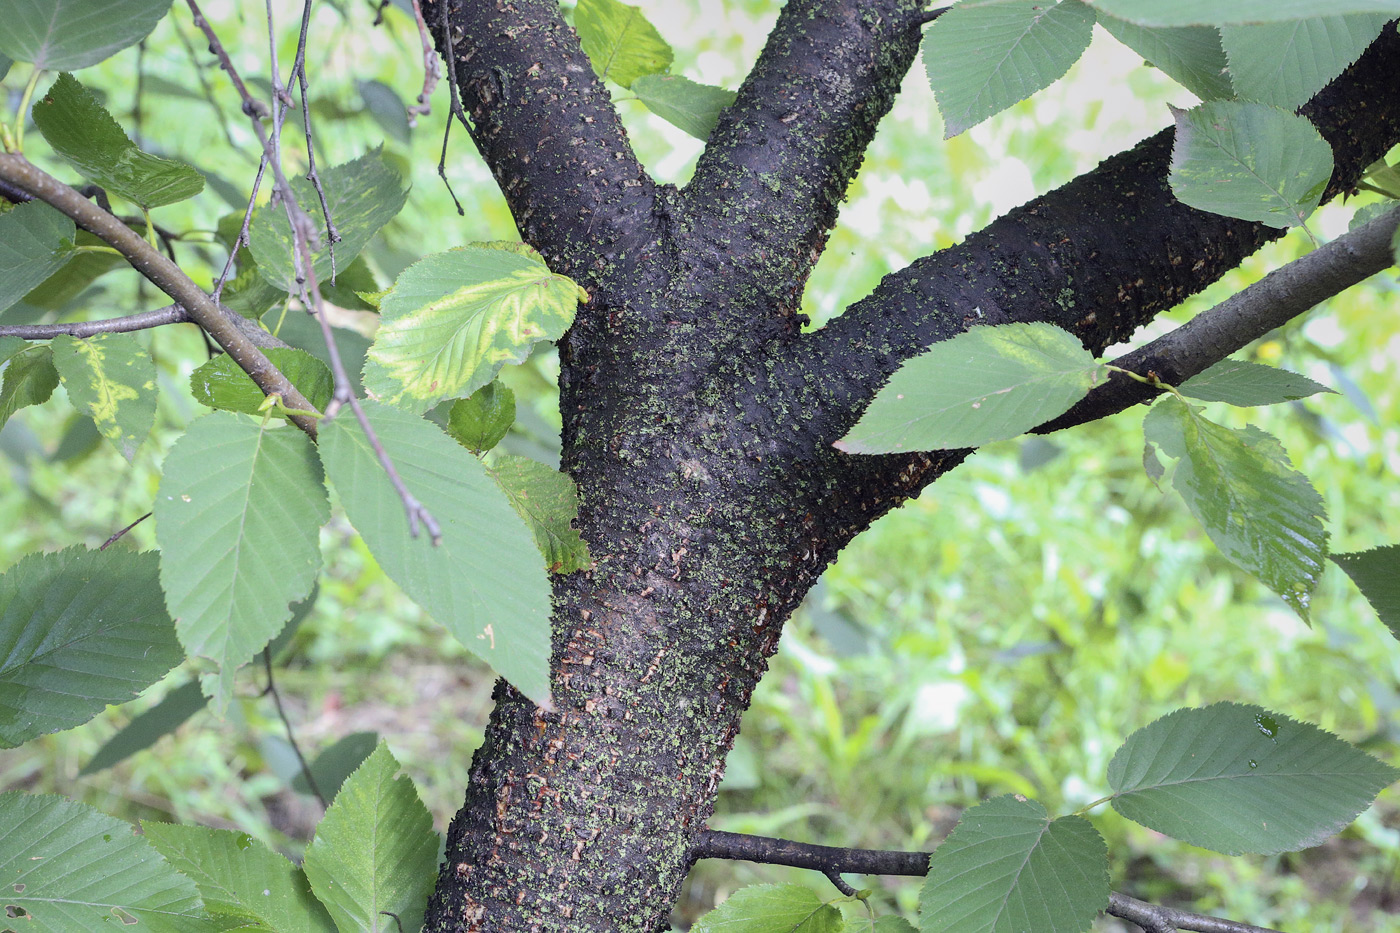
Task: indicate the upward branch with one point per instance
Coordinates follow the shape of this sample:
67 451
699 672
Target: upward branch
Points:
547 129
767 187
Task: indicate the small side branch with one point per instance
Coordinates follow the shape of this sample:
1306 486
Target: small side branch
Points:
220 324
832 861
1246 316
170 314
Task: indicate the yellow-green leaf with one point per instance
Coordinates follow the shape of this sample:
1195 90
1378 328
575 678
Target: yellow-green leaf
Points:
454 319
110 377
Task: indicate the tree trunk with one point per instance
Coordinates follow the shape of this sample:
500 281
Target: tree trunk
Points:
698 418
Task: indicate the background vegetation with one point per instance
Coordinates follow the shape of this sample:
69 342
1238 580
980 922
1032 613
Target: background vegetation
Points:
1002 634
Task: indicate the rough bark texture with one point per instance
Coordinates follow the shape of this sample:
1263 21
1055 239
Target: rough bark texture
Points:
698 418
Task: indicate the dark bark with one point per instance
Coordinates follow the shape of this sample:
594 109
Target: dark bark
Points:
698 419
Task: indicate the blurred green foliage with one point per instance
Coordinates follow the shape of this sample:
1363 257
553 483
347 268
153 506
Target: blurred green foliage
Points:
1003 633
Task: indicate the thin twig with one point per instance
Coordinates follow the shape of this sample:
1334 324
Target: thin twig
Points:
832 861
116 536
291 734
170 314
206 89
432 68
299 72
223 325
454 102
242 239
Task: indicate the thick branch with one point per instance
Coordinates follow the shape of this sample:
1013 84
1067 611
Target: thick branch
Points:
833 861
767 188
220 324
1246 316
1100 256
548 131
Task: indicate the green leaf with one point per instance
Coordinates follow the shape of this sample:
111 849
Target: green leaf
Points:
485 582
85 135
619 41
375 852
111 379
771 908
5 63
240 876
892 924
149 727
982 58
65 35
1246 384
1007 867
35 242
988 384
1285 64
71 869
548 502
478 423
222 383
1263 515
1192 56
1249 161
1376 574
682 102
1216 13
29 379
335 764
363 194
387 108
238 516
454 319
79 629
57 292
303 331
1238 779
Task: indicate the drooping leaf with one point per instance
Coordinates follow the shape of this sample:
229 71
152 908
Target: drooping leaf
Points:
548 502
35 242
1263 515
222 383
480 421
1192 56
149 727
485 582
82 131
1376 574
363 195
79 630
982 58
772 908
988 384
374 857
1247 384
240 876
1249 161
238 516
29 379
1285 64
619 41
1008 867
65 35
682 102
454 319
110 378
387 108
71 869
1237 779
336 763
1215 13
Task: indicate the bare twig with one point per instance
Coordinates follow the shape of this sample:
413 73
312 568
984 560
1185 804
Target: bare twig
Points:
224 326
1240 319
116 536
454 102
432 68
832 861
291 734
299 72
170 314
204 86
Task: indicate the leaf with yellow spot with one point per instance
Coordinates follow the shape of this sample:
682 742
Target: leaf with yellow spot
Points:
111 379
454 319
